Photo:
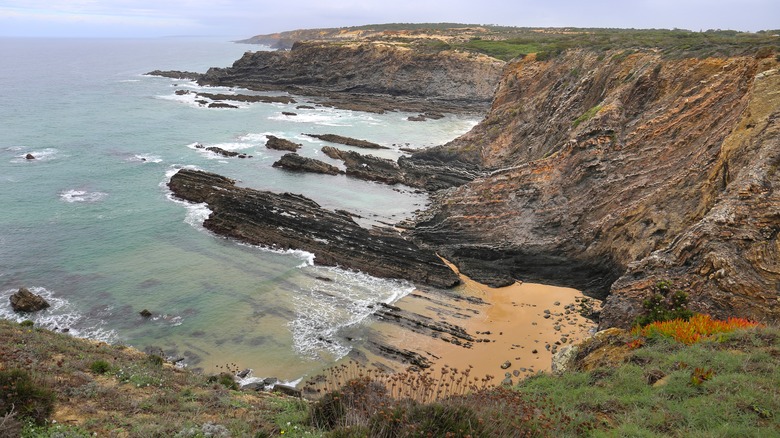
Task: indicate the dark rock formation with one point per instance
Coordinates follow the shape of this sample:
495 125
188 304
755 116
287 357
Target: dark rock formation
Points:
366 68
176 74
249 98
221 105
29 157
293 161
419 173
25 301
367 167
289 221
612 173
281 144
288 113
333 138
145 313
223 152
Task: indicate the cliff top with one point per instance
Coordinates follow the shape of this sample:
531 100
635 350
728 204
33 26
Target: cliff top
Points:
510 42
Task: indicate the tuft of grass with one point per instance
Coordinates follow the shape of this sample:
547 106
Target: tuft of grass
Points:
100 366
589 114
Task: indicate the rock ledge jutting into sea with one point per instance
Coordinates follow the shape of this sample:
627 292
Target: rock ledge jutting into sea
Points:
290 221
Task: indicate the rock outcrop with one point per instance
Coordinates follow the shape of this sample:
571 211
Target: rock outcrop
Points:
347 141
281 144
289 221
367 167
295 162
25 301
612 171
373 68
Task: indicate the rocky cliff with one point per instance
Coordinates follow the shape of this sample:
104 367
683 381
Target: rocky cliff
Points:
613 170
367 68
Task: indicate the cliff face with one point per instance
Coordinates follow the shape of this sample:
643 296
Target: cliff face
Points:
366 67
614 171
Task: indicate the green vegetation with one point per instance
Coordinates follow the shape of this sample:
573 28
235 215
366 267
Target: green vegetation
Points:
664 305
725 384
586 116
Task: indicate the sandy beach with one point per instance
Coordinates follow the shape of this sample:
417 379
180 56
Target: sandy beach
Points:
515 329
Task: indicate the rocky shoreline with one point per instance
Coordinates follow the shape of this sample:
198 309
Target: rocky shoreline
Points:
289 221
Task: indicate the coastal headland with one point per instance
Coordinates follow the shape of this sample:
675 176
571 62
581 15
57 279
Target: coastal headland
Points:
606 169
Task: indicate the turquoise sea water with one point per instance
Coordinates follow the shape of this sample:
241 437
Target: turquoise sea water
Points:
90 225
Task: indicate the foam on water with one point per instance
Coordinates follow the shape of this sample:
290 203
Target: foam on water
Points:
61 315
71 196
147 158
328 307
196 212
40 155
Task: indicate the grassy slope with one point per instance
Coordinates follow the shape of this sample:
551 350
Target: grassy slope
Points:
138 396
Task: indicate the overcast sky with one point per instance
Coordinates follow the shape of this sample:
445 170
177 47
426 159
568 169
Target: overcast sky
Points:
245 18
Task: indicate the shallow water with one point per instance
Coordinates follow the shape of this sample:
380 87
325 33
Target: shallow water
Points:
91 225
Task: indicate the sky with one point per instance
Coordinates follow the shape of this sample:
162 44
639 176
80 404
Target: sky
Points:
245 18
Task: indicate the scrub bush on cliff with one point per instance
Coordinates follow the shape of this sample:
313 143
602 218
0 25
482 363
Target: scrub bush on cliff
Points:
23 395
664 305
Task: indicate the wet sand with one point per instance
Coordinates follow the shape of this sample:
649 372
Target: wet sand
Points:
510 331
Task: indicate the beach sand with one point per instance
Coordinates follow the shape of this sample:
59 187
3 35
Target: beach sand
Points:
512 336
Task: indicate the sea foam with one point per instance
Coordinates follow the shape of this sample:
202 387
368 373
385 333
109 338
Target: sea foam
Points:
326 308
61 315
71 196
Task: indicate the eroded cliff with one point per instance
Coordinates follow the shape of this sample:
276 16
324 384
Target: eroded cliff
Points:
614 170
366 67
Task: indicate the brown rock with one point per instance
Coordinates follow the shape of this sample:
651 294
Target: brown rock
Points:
26 301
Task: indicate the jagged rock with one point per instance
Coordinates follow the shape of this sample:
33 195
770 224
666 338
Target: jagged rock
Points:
29 157
250 98
563 360
221 105
304 107
176 74
289 221
281 144
288 113
25 301
366 68
145 313
220 151
348 141
367 167
293 161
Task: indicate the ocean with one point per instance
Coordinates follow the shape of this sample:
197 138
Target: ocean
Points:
90 225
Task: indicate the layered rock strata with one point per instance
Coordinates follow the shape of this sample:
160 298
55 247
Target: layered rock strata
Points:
288 221
613 171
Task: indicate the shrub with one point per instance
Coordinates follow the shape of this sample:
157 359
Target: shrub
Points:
100 367
226 380
664 306
155 360
27 397
27 323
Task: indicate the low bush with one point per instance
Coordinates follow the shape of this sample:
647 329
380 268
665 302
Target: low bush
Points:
99 366
22 394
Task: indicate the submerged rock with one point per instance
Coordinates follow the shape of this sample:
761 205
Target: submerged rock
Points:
26 301
29 157
348 141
